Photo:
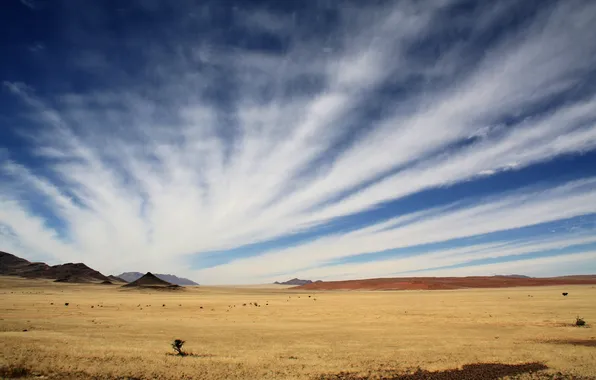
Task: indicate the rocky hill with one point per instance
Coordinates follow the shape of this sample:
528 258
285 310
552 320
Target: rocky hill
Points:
295 281
12 265
133 276
149 280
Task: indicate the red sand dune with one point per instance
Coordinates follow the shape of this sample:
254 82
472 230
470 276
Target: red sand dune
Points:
444 283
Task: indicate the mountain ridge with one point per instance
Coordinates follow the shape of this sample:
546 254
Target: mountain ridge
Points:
133 276
11 265
296 281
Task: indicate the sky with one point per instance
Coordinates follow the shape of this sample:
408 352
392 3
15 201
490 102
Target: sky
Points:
243 142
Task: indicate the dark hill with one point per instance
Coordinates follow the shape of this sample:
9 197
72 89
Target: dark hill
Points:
132 276
78 271
12 265
149 280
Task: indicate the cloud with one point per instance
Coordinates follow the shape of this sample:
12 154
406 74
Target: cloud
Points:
486 216
31 4
190 143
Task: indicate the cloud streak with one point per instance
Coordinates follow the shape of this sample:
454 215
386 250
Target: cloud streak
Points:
301 126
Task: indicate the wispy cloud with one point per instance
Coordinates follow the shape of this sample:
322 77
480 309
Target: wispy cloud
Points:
195 144
32 4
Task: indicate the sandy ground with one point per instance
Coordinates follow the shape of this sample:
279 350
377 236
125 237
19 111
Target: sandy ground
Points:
107 332
256 286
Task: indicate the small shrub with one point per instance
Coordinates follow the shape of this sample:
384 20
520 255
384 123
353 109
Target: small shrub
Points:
65 303
177 346
579 321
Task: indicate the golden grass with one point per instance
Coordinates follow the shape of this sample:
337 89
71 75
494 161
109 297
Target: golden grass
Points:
107 332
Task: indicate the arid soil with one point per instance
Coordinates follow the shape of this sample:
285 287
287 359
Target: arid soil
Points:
446 283
61 331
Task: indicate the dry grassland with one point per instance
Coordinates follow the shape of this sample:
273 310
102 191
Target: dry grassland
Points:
107 332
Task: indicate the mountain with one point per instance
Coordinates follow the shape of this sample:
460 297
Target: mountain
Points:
117 279
133 276
295 281
513 275
12 265
149 280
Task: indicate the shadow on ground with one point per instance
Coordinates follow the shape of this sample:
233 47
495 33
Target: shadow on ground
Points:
191 355
575 342
478 371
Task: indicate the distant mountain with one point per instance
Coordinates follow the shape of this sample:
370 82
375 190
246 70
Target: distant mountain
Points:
295 281
12 265
513 275
116 279
149 280
133 276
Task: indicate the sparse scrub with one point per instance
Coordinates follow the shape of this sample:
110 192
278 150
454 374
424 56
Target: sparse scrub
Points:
579 321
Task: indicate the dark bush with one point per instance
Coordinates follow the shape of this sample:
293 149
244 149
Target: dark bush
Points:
177 346
579 321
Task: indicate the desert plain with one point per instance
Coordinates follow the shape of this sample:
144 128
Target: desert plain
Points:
109 332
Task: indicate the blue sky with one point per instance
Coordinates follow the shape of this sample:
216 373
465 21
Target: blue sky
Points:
249 142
